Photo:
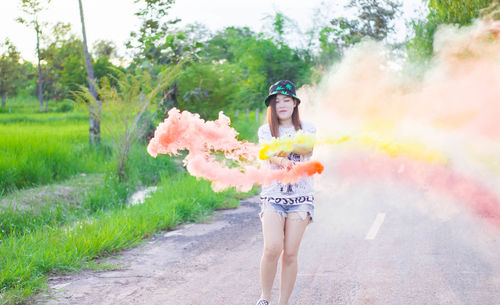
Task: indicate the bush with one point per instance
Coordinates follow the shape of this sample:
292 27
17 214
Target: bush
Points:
66 106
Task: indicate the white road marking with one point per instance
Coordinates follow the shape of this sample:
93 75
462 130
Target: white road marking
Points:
372 233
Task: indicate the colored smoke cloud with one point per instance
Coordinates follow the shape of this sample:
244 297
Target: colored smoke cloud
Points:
453 108
202 139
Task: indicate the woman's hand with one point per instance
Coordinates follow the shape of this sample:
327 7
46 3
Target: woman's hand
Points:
282 162
288 164
283 154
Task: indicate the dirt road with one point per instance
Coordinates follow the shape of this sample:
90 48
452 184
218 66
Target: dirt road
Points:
368 247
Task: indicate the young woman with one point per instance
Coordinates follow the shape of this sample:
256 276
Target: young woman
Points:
286 210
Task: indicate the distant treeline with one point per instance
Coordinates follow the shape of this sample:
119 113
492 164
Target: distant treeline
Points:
231 68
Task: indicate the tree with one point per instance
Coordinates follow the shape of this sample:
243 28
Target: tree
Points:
178 47
32 9
64 68
10 70
94 118
460 13
260 62
223 44
207 88
373 19
280 25
104 49
265 62
124 105
148 43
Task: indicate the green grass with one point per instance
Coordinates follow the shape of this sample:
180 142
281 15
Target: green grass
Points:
30 104
26 261
47 118
36 154
247 128
22 211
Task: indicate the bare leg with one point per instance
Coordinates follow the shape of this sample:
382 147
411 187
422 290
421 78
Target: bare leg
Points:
272 230
294 230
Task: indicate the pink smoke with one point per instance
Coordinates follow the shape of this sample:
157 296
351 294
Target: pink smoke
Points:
470 193
187 131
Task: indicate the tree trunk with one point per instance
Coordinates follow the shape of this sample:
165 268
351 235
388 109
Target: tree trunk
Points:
95 114
4 98
171 98
40 81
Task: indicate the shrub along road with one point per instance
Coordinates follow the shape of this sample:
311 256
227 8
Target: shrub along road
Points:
364 247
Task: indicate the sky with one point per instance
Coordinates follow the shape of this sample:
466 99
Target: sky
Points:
114 19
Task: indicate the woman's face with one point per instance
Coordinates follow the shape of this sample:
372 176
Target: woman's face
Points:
284 106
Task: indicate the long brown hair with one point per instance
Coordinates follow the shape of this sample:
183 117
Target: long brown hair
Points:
273 121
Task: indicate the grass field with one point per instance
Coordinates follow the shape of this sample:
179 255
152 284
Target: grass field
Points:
40 153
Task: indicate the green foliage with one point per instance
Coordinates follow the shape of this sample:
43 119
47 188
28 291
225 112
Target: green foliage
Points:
259 62
247 128
420 47
11 70
65 106
280 25
266 63
207 88
18 222
31 18
461 13
373 19
64 70
31 10
456 12
330 50
150 42
223 44
104 49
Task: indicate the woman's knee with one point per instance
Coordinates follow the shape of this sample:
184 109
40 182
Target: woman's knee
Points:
273 250
289 257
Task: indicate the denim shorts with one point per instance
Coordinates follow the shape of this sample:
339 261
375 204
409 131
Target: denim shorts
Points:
283 209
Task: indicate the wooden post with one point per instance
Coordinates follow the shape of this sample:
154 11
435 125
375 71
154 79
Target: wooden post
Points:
248 110
257 114
237 113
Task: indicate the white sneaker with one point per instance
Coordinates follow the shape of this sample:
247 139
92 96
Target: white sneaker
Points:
262 302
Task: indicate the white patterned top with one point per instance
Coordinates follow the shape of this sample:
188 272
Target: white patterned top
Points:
301 192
